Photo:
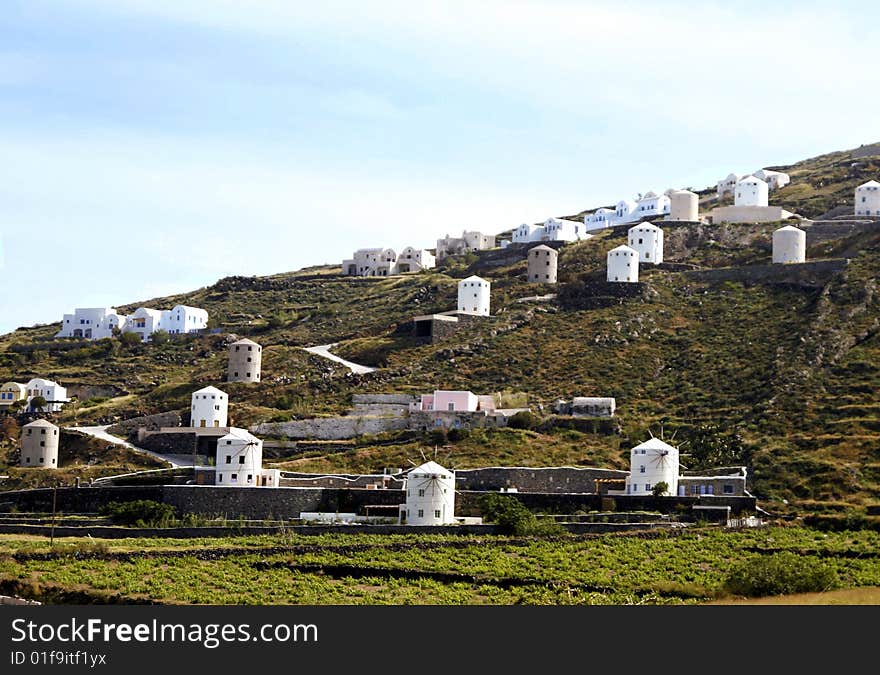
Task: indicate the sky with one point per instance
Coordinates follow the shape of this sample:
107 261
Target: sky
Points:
151 147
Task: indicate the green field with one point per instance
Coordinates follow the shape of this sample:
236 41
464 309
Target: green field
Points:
646 568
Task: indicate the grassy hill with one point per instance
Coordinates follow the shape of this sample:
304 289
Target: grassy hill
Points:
780 374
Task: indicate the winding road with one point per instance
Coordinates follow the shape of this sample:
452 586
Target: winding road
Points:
324 350
101 434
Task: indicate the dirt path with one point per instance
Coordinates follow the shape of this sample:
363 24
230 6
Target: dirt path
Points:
324 350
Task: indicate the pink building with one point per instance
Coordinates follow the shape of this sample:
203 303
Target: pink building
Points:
448 401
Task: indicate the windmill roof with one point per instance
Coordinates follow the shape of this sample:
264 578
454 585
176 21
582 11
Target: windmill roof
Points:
209 390
430 467
623 247
41 423
473 277
240 434
654 444
245 341
870 183
789 228
542 247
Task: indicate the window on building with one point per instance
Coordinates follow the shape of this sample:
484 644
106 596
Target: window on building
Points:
421 513
42 460
233 476
728 489
436 513
642 469
27 460
450 406
421 493
42 444
236 374
241 459
229 459
647 487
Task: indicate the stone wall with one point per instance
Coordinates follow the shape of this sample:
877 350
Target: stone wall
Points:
331 428
130 427
587 293
84 392
815 273
381 405
534 479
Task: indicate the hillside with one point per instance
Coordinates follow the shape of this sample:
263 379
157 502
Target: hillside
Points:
782 373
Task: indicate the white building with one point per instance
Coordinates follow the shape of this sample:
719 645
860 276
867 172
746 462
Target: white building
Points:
625 212
560 229
91 323
684 206
210 408
54 394
445 400
39 445
469 241
182 319
647 240
623 264
651 205
413 259
789 245
774 179
728 185
474 296
653 462
430 496
370 262
11 392
599 219
526 233
751 191
868 199
239 462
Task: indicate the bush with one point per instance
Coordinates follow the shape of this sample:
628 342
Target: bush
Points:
514 518
524 419
780 574
139 513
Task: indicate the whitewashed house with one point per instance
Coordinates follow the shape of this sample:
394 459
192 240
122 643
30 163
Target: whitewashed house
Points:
651 205
371 262
599 219
413 259
54 394
182 319
653 462
144 321
39 445
239 462
625 212
12 392
210 408
789 245
560 229
751 191
727 186
526 233
623 265
867 201
647 240
774 179
91 323
474 296
469 241
430 496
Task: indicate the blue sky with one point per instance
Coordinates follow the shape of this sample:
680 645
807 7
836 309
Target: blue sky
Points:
151 147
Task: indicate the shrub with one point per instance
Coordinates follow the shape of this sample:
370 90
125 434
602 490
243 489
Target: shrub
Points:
456 434
514 518
140 513
660 489
524 419
779 574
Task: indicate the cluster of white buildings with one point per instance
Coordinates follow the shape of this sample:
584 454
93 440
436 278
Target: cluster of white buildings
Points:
750 204
677 205
53 393
385 262
774 180
645 244
469 242
94 323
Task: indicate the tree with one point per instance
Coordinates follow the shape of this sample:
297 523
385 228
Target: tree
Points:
130 339
524 419
39 403
513 518
709 446
660 489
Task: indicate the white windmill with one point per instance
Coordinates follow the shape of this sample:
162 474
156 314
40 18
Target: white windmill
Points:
653 462
430 495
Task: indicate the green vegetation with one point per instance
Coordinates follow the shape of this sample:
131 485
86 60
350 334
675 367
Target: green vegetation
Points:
140 513
688 567
514 518
780 574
